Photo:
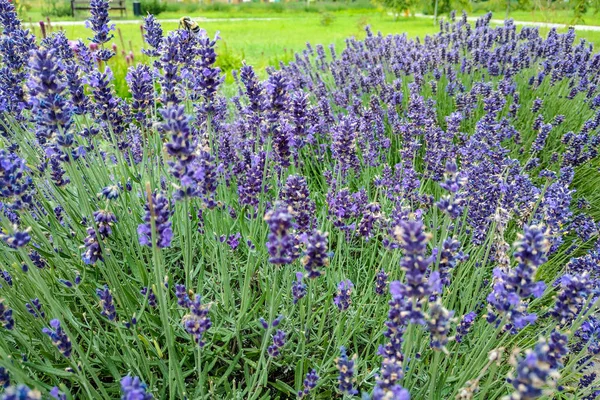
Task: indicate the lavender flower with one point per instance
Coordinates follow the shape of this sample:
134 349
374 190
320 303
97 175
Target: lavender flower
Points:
132 388
315 257
438 323
153 35
253 89
197 321
21 392
4 378
465 325
182 297
535 371
93 251
513 287
574 291
310 382
99 22
281 242
105 220
106 302
343 145
16 239
35 308
110 192
279 339
343 298
16 186
56 394
298 288
157 211
141 86
7 278
346 378
6 316
149 293
51 109
296 195
381 281
176 128
59 338
395 392
413 240
449 257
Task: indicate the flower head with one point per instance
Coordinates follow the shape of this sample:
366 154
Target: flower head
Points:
343 298
279 339
99 21
158 210
106 302
346 378
132 388
59 338
6 316
298 288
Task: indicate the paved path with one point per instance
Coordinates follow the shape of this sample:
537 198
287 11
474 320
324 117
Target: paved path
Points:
594 28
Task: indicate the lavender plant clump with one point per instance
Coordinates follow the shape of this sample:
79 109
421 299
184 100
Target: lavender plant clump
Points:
342 227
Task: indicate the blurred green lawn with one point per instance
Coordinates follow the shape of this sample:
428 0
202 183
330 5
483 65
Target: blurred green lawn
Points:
265 43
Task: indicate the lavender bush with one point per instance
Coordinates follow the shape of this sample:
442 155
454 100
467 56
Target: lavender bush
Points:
397 219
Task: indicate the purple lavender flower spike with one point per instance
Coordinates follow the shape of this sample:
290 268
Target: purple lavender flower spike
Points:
153 35
141 86
35 308
512 288
316 256
196 322
310 382
465 325
106 302
59 338
159 210
99 22
296 195
281 243
346 378
16 239
537 370
4 378
149 293
381 282
298 288
279 340
574 292
132 388
438 323
93 251
344 293
6 316
21 392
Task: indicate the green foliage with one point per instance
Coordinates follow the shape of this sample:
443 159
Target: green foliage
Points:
397 7
227 59
154 7
327 19
524 5
580 7
56 8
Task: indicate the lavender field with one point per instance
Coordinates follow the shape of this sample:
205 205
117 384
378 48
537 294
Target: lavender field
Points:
398 219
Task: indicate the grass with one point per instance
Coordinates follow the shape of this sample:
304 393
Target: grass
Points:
264 43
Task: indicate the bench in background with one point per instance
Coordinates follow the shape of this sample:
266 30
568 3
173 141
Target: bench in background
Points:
85 5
